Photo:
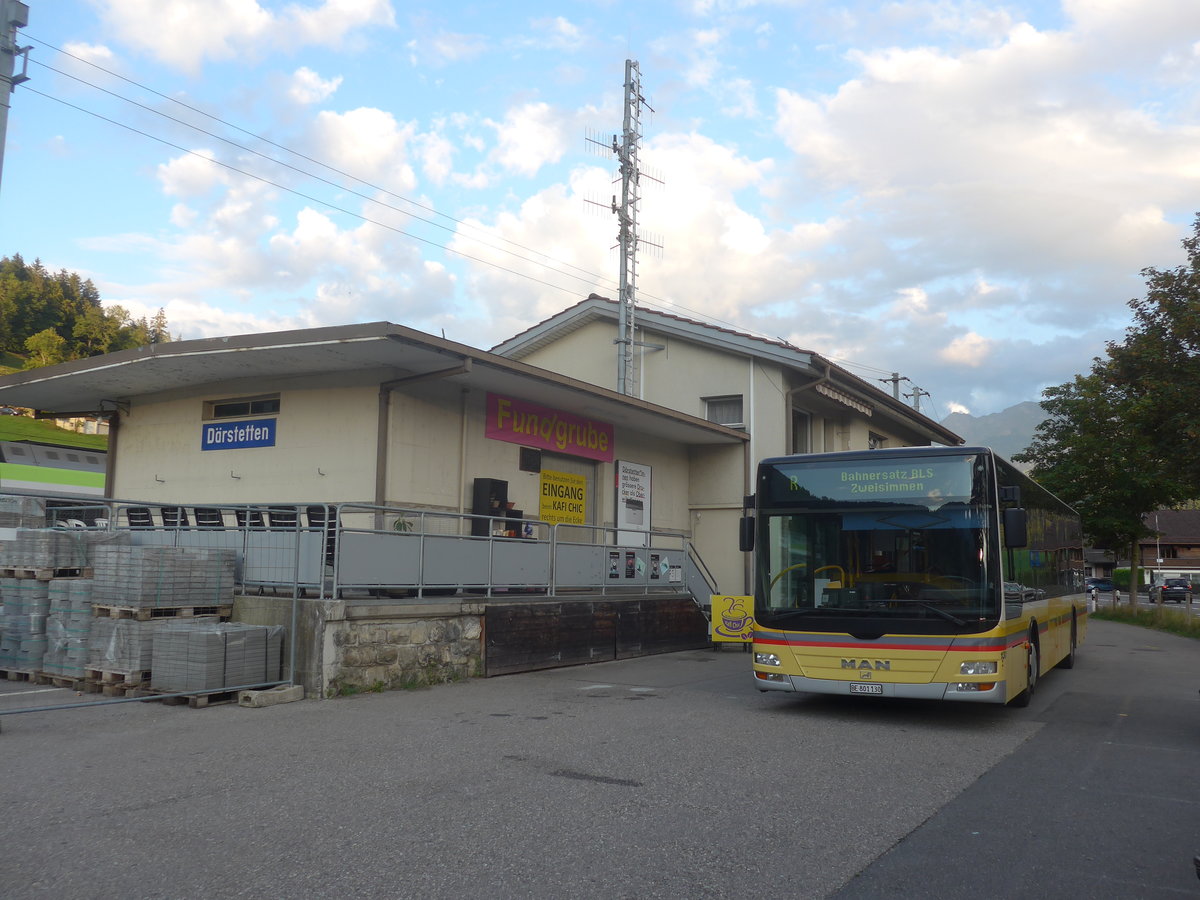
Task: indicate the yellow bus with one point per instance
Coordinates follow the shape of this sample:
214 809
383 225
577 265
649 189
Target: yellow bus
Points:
940 573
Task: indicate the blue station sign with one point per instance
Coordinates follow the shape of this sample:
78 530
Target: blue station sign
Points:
238 435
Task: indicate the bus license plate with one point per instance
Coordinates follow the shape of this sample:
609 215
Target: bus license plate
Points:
857 688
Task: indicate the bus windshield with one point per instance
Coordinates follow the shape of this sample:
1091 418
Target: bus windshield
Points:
876 546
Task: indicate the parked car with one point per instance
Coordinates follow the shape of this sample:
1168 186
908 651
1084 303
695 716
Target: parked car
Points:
1174 590
1015 592
1104 585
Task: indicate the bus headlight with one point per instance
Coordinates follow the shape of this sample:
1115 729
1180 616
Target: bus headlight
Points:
977 667
767 659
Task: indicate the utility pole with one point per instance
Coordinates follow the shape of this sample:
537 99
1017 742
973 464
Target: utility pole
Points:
13 15
627 154
916 395
895 382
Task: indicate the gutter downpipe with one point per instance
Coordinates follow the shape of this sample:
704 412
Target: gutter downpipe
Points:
110 461
383 424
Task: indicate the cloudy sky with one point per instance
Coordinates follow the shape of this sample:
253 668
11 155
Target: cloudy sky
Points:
962 192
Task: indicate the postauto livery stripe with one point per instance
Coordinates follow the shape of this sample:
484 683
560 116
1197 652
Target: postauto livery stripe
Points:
51 475
944 644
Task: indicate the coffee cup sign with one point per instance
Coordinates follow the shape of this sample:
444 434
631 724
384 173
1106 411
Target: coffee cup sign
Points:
732 618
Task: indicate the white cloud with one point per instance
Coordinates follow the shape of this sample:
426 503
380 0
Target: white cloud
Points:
98 54
309 87
191 175
445 47
530 136
367 143
557 33
437 157
186 33
968 350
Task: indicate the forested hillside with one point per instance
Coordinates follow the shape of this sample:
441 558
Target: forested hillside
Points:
48 318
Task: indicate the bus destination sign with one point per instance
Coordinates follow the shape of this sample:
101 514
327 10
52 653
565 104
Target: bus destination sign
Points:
942 479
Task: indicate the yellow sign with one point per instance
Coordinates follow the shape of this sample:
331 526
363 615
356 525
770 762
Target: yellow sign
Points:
732 618
563 498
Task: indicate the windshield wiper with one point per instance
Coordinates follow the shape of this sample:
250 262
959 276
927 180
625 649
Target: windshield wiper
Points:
795 613
941 612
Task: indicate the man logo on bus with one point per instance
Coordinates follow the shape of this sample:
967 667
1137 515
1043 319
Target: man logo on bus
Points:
882 665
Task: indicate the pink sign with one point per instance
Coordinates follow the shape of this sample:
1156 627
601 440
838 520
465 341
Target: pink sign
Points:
519 422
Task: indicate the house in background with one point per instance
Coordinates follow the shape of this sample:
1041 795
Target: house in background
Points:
1175 547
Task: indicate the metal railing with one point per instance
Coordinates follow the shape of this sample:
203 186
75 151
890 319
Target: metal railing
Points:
334 550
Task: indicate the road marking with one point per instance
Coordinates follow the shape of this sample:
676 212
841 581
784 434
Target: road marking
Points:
39 691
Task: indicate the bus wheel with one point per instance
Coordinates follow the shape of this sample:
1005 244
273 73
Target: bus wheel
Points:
1068 661
1031 669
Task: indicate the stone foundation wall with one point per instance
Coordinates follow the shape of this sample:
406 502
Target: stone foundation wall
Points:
372 649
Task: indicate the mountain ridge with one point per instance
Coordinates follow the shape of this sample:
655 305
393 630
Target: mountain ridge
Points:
1008 432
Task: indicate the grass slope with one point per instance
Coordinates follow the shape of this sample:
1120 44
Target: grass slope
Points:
23 428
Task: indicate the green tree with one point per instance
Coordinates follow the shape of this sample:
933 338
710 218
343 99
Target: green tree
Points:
130 333
1086 454
1116 443
94 332
33 301
45 348
158 328
1159 361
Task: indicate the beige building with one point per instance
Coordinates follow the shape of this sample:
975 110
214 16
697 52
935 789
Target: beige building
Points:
383 415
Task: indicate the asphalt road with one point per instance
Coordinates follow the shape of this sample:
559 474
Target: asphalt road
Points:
667 776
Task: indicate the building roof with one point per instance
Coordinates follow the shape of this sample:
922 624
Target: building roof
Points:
1174 526
101 384
596 308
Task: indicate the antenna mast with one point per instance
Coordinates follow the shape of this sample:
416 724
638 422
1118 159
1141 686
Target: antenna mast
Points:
627 154
13 15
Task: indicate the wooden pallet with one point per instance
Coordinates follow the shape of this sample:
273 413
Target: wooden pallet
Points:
200 701
19 675
44 573
115 683
73 682
148 613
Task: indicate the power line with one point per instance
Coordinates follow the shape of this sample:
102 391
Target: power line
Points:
319 178
301 194
590 275
591 278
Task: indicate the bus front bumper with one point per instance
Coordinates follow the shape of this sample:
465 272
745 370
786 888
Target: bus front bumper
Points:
775 681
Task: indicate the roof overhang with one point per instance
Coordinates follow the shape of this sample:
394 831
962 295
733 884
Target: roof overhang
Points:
103 384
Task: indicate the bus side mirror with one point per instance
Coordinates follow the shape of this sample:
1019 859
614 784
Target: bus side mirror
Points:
1016 532
746 533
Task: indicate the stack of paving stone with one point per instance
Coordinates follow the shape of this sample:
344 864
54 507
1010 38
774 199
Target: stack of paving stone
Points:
193 656
22 512
54 548
126 645
155 577
68 627
46 548
188 657
26 607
